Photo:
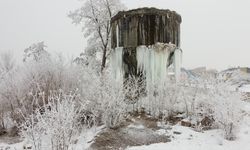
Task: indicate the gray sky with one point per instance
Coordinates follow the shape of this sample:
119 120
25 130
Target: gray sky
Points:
214 33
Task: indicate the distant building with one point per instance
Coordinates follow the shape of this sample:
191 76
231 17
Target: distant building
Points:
245 69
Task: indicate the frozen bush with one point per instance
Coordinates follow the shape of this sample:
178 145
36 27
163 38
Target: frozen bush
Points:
37 80
104 98
54 125
113 103
215 99
31 86
204 97
161 99
227 109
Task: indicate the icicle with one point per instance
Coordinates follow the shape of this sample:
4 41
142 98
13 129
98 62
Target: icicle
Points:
117 36
152 62
117 64
177 63
117 60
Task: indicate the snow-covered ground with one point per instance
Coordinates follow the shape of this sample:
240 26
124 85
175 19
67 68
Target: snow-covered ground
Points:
187 140
182 138
245 88
208 140
85 140
18 146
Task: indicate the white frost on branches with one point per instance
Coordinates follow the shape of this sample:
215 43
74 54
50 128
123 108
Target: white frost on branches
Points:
36 52
95 16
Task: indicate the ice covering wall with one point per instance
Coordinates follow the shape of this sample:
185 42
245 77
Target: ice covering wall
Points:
152 61
145 41
117 64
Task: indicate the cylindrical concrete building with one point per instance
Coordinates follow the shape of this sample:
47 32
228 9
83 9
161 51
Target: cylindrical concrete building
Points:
145 41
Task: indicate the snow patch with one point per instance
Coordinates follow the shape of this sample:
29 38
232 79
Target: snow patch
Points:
245 88
140 126
87 138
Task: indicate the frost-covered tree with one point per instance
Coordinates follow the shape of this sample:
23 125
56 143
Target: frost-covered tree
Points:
87 60
95 15
36 52
7 62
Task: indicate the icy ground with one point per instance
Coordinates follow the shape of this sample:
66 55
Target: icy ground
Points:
208 140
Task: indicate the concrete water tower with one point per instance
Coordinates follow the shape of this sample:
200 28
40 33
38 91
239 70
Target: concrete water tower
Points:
146 41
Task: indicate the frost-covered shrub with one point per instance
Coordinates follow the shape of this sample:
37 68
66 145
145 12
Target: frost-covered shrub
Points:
213 98
227 109
161 99
54 125
59 119
113 104
169 98
37 80
104 98
205 97
10 94
32 85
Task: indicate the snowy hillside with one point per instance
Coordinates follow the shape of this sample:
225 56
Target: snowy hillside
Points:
237 78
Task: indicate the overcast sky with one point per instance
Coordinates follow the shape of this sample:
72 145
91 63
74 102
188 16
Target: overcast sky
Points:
214 33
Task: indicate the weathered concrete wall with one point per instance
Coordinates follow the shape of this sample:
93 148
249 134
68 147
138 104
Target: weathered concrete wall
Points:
145 26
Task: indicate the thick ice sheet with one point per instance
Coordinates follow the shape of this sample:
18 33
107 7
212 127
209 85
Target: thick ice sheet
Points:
117 64
152 61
